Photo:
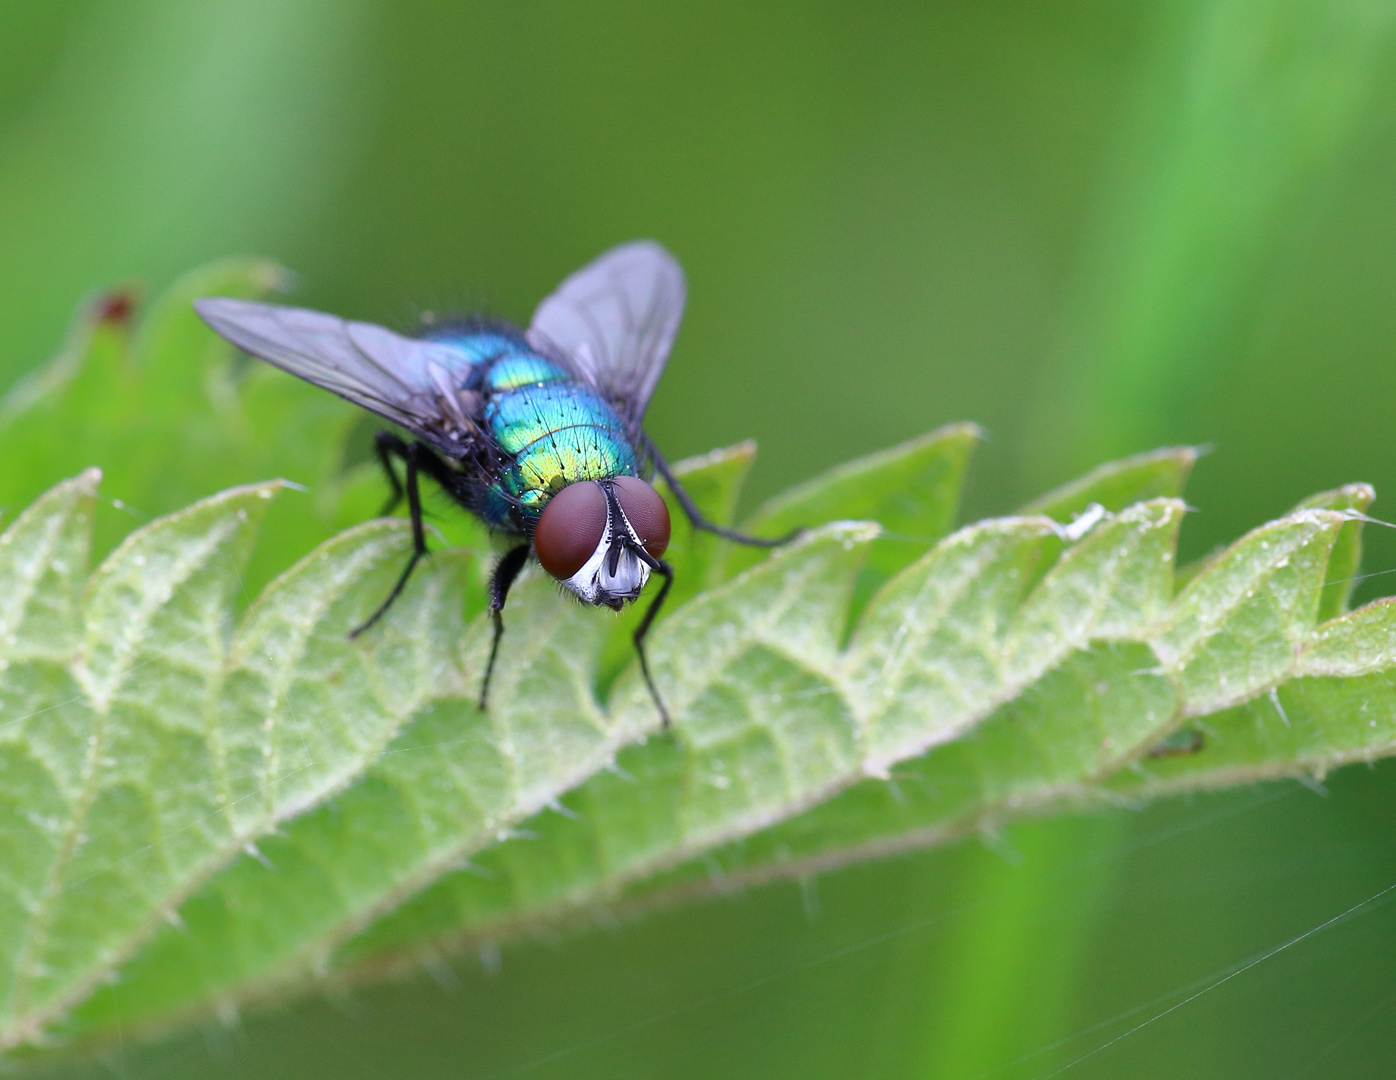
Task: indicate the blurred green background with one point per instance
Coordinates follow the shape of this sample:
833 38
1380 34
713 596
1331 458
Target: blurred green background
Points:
1092 227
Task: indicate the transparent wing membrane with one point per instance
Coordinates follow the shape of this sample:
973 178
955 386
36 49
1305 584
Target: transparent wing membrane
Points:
614 321
407 380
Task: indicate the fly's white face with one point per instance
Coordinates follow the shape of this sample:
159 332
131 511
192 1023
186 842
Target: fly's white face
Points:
614 573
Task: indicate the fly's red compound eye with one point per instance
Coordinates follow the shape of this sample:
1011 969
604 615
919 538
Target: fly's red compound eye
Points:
571 528
648 514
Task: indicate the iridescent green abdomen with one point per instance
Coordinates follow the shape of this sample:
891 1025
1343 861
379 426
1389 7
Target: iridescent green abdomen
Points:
555 431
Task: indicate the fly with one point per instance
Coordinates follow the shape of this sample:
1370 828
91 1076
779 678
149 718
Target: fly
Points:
538 433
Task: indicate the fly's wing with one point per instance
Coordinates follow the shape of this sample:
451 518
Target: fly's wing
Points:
408 381
614 322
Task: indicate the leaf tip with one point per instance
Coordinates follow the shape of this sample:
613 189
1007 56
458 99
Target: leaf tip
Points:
849 533
1362 494
116 307
1356 496
960 429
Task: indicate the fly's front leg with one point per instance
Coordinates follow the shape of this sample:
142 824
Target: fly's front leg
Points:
412 456
690 508
659 566
505 571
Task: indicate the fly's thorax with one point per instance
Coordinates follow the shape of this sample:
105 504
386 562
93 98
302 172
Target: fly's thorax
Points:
598 538
517 370
482 344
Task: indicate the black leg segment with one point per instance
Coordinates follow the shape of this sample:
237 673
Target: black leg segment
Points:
418 458
505 571
696 516
659 566
387 445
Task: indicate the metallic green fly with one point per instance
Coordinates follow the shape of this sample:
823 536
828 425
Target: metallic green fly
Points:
538 432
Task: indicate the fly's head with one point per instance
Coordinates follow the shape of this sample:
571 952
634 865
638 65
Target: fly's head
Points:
600 538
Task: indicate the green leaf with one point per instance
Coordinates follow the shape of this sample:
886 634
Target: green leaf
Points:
269 803
1344 560
213 800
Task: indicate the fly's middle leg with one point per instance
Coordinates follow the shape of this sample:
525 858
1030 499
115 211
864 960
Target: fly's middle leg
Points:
696 516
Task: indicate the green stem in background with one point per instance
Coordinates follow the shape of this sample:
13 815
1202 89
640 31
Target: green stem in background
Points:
1007 986
1246 107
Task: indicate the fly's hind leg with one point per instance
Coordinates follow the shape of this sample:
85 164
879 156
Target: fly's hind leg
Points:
690 508
505 571
387 446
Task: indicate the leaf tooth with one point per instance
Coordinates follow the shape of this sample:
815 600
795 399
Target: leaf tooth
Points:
43 560
1113 584
1359 643
926 659
1240 624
